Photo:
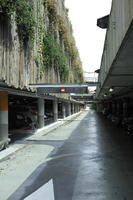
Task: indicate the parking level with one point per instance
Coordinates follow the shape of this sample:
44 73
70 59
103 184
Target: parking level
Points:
88 158
27 114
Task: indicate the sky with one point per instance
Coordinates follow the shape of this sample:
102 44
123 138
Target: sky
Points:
83 15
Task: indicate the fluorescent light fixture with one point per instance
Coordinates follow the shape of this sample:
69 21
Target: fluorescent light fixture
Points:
111 89
105 95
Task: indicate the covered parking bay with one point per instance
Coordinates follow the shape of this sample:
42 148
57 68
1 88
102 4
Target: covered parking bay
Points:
24 111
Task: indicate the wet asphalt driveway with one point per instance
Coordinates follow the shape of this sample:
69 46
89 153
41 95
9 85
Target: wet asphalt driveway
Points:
94 163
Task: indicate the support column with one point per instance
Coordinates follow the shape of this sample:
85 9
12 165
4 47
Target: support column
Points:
73 109
4 140
76 108
66 108
55 107
99 107
63 110
69 108
40 113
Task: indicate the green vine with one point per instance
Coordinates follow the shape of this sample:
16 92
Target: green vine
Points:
48 51
51 9
40 31
24 17
63 30
53 54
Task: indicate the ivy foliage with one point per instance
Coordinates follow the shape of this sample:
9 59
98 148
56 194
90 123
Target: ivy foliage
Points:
64 32
24 16
53 55
65 36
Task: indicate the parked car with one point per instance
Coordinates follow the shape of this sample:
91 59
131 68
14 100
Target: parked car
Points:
116 120
105 111
16 120
22 117
124 123
31 117
130 125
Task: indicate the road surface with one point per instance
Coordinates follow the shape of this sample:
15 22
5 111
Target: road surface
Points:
86 159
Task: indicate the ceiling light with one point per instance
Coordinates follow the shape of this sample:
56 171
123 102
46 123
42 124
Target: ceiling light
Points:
111 89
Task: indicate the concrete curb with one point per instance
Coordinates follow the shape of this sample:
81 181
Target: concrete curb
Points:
43 131
60 122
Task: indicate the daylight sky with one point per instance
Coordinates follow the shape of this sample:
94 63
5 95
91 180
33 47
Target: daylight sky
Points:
89 38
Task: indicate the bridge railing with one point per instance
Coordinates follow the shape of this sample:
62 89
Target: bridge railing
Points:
91 79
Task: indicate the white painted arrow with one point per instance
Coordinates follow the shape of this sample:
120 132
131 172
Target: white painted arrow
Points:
44 192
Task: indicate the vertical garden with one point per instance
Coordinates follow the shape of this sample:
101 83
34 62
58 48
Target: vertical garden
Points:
44 26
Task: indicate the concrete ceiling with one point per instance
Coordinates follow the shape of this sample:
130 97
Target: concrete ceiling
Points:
120 75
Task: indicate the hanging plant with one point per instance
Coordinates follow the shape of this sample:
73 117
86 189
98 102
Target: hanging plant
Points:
63 30
24 17
52 53
51 6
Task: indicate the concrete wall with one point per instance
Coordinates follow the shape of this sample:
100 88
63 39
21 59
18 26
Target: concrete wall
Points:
120 19
18 66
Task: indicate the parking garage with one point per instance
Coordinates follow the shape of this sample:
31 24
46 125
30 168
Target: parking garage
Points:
23 112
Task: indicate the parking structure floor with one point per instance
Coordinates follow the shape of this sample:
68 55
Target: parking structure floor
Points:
90 160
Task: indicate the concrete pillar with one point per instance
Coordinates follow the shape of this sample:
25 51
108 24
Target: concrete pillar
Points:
78 107
99 107
4 140
40 113
66 108
73 108
69 108
63 110
55 107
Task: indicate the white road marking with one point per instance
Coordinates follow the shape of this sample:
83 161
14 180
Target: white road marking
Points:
44 192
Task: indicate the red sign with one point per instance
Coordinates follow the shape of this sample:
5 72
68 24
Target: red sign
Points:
62 90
